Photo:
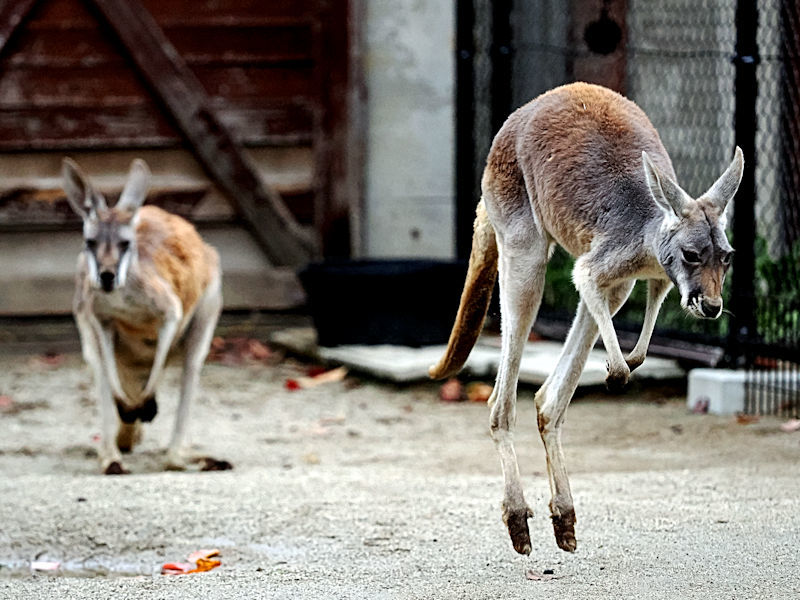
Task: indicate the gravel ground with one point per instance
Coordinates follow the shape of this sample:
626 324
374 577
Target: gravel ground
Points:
357 489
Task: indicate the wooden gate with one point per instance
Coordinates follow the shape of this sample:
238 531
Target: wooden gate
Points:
239 106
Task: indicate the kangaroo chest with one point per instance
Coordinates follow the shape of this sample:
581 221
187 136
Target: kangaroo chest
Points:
135 319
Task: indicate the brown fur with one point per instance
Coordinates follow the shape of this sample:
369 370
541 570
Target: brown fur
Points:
582 167
148 287
478 288
171 255
556 137
177 253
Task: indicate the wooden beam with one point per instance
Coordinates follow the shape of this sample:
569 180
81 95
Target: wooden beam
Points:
12 13
173 82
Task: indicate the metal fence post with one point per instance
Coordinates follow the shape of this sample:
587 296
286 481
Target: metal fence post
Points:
742 302
502 62
465 124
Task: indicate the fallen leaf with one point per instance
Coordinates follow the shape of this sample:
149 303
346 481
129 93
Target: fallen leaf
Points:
331 376
6 403
744 419
312 458
478 391
304 383
791 425
199 562
257 350
451 391
198 554
53 359
206 564
176 568
236 351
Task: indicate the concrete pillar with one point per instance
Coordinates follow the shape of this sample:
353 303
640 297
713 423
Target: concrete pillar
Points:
409 70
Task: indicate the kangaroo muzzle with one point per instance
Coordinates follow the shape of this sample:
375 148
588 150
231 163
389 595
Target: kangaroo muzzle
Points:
711 307
107 279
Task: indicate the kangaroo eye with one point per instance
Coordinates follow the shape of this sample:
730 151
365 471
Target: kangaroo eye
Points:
691 257
91 244
124 245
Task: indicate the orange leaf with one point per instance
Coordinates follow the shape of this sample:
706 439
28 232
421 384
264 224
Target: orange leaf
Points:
206 564
331 376
744 419
478 392
176 568
200 561
198 554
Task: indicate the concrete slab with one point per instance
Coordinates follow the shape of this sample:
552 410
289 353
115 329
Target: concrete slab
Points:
540 358
405 364
721 391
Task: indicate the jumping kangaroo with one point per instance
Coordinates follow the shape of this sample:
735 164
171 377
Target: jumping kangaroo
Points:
145 281
583 167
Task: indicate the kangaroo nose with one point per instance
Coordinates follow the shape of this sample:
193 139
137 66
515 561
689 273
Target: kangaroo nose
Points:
712 307
107 281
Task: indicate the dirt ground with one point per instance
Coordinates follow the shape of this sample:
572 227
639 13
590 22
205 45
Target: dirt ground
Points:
358 489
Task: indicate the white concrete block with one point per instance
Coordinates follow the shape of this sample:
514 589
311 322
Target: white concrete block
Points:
723 390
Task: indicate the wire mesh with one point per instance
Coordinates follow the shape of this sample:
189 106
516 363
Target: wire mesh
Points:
677 60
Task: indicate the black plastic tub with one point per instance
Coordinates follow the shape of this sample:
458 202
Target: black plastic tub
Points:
400 302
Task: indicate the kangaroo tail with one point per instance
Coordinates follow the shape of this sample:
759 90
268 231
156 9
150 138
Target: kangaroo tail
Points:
478 287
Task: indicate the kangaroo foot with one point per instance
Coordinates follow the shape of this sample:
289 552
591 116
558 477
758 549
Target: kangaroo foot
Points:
212 464
115 468
617 379
517 523
564 529
634 362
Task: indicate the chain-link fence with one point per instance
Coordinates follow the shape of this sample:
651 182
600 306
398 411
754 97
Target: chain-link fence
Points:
709 74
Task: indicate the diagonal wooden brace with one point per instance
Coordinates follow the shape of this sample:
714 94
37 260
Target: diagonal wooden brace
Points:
285 242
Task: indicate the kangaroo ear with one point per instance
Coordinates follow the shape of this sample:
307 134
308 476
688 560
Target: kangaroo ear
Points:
80 194
665 191
135 191
724 188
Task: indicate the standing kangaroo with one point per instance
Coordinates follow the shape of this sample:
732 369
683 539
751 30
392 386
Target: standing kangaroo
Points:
583 167
145 281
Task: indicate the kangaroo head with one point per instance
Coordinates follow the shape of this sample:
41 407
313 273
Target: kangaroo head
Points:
109 234
692 245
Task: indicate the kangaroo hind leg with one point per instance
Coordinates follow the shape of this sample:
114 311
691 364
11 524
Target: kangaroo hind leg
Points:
552 400
198 342
523 255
